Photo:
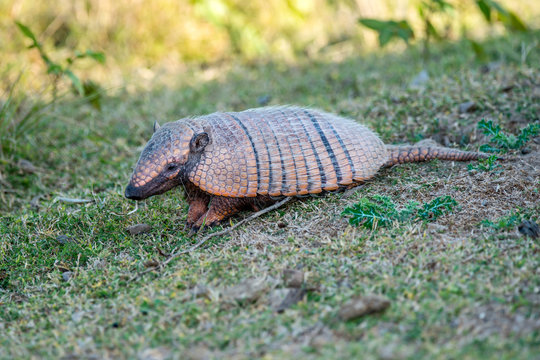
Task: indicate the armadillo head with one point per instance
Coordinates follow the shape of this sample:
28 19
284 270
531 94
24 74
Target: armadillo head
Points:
166 159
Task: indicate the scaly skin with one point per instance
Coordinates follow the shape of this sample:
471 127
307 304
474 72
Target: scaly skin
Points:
410 154
229 162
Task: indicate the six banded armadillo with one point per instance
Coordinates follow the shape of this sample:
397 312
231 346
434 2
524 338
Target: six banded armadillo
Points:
232 161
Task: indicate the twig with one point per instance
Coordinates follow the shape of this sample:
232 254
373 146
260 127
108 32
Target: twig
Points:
177 254
129 212
73 201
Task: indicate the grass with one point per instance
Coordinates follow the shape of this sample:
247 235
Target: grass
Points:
458 287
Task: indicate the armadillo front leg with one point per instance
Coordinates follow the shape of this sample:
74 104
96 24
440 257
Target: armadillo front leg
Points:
198 204
197 208
220 208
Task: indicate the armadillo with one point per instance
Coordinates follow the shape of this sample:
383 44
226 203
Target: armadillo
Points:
232 161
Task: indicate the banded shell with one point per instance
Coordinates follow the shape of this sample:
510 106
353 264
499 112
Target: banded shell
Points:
283 151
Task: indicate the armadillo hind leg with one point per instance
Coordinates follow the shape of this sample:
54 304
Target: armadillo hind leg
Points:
410 154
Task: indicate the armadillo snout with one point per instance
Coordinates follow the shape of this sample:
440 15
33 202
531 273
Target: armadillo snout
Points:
133 193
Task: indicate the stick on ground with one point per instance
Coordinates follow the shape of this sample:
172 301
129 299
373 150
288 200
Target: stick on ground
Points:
177 254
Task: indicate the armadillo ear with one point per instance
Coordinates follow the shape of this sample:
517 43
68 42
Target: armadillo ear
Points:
199 142
156 126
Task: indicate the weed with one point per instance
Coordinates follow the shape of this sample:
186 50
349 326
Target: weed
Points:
58 71
485 165
501 142
379 210
509 221
428 9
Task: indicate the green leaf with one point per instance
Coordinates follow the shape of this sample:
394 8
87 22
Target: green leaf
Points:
53 68
389 29
96 55
485 9
431 30
478 50
75 81
385 37
404 30
373 24
27 32
512 22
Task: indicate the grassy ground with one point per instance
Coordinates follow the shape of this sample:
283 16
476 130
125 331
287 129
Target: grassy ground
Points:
458 288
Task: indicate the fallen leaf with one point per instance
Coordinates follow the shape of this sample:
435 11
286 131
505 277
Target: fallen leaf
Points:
293 278
419 80
247 291
26 167
66 276
363 305
138 229
467 107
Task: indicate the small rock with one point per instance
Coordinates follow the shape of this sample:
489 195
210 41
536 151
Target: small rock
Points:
529 228
363 305
247 291
293 278
26 167
138 229
64 239
507 87
419 80
77 316
484 69
436 228
293 296
34 203
467 107
66 276
275 297
159 353
198 353
282 225
200 290
264 100
526 150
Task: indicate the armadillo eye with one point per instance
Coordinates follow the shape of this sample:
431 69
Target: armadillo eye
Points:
171 167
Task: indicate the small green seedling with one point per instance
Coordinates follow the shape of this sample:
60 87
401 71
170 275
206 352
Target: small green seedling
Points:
509 221
485 165
58 71
501 142
380 211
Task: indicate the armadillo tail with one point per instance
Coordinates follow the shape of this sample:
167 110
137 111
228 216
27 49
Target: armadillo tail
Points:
410 154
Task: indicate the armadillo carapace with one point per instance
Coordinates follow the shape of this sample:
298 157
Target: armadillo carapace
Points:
232 161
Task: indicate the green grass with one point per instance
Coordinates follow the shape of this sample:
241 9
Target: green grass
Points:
458 288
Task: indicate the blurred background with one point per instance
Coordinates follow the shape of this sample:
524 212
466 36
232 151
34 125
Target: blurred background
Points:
173 33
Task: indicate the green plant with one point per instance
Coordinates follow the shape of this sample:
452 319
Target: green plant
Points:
389 30
509 221
57 70
380 211
501 142
485 165
427 9
493 10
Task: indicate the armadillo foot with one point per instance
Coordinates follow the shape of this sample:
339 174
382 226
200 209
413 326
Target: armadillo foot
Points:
220 208
197 208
